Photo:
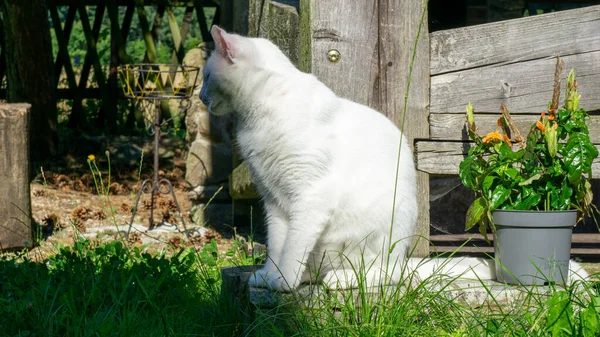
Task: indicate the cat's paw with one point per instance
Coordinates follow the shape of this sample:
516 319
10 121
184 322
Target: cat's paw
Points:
259 279
273 280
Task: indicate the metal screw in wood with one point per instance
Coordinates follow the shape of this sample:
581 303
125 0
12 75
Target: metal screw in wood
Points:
334 56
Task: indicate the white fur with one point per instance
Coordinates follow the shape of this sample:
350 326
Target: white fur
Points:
324 166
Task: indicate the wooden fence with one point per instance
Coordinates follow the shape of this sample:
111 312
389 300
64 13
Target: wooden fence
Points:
79 86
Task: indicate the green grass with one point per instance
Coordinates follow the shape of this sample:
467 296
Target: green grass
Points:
114 290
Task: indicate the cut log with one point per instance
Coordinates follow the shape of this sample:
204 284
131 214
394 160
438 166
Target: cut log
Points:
15 200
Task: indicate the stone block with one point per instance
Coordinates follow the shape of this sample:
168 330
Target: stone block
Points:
208 163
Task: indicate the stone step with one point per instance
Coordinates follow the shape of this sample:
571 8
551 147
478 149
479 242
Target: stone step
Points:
474 293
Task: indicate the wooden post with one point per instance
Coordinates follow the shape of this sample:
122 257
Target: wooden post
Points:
15 201
376 41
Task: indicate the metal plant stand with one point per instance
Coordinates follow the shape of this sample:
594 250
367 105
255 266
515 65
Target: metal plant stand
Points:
154 83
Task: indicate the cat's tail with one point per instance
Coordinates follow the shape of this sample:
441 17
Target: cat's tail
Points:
461 267
471 268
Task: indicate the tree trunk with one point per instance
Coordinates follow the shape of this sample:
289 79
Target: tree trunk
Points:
30 71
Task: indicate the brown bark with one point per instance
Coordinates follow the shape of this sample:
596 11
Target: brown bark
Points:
30 71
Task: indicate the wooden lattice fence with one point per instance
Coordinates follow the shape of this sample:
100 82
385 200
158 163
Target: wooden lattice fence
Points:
97 81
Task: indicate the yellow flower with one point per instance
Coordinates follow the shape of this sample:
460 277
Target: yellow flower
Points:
91 157
493 136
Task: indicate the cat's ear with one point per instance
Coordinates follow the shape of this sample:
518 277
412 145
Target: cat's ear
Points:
225 43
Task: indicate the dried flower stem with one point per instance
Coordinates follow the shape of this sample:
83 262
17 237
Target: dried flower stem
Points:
556 93
512 128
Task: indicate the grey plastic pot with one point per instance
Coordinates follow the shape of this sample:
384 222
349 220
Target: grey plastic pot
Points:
533 247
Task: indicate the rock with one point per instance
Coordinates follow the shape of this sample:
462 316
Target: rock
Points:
211 214
218 193
210 155
208 163
200 123
196 57
241 185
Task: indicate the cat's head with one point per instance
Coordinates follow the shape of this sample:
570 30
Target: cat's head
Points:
234 58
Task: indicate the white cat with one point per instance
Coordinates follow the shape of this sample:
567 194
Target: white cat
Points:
324 166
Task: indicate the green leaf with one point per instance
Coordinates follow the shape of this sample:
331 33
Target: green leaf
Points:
512 173
532 138
528 203
488 181
574 125
580 152
506 153
551 137
560 314
499 195
531 179
468 172
590 324
563 201
475 212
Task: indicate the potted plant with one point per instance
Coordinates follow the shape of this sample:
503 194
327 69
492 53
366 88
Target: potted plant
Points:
531 192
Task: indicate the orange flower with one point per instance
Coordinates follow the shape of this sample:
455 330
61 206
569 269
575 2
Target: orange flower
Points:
550 117
543 115
493 136
540 126
499 121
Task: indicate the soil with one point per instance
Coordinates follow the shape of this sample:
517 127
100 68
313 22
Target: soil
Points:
68 200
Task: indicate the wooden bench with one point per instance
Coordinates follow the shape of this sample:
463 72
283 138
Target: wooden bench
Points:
509 62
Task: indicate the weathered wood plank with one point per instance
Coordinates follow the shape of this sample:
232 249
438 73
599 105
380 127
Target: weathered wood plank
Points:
63 52
559 33
178 53
326 23
146 32
91 39
201 17
523 87
15 200
2 55
70 18
177 56
453 126
395 63
277 22
487 251
443 157
120 39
